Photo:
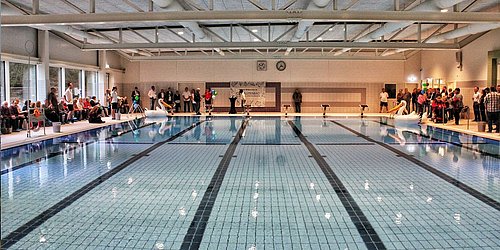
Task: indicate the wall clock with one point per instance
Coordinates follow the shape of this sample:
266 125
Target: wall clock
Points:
280 65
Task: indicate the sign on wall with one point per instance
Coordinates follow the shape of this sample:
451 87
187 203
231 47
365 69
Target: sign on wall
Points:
254 92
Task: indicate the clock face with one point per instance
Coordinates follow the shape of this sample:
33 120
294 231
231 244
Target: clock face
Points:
280 65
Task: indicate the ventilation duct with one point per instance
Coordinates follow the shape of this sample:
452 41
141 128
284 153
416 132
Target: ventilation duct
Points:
470 29
172 5
303 26
388 28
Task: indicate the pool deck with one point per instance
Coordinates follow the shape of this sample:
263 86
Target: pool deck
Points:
20 138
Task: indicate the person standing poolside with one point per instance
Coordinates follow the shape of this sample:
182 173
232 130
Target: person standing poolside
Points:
152 98
114 102
177 101
68 97
475 103
197 101
457 105
186 97
492 105
297 100
383 100
243 98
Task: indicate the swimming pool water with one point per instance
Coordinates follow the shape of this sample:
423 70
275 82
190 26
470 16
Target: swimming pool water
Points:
253 183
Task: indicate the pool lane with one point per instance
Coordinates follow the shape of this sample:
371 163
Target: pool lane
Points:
28 193
408 206
267 200
38 152
478 171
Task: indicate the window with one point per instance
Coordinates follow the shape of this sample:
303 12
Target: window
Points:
74 76
3 96
22 81
54 78
391 90
90 83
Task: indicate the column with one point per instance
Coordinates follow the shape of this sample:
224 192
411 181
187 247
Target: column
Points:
43 82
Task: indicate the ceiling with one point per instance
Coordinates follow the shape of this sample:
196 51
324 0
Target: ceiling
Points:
261 38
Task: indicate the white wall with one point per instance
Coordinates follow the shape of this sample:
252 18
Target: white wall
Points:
61 50
14 39
314 74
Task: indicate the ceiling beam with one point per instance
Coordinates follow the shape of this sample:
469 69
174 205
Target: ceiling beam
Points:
288 4
18 8
256 55
260 15
284 33
208 45
252 33
257 4
140 35
70 4
214 33
133 5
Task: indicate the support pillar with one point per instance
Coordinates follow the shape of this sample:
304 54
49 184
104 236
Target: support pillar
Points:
43 80
101 74
493 59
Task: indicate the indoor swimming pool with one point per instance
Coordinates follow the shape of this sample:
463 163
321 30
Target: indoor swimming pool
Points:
253 183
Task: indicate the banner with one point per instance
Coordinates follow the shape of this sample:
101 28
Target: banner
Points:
254 92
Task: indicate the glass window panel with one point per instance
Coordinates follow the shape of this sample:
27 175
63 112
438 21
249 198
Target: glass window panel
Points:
54 77
22 81
74 76
90 83
2 86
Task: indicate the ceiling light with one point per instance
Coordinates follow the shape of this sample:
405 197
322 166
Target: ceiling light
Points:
444 10
255 30
255 39
180 32
330 29
320 38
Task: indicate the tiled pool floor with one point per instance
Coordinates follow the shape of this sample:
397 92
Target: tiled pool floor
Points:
256 183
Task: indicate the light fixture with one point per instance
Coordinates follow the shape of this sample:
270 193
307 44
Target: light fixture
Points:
330 29
320 38
444 10
412 78
255 30
180 32
255 40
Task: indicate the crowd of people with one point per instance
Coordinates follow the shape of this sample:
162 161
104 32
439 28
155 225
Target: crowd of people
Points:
67 109
443 105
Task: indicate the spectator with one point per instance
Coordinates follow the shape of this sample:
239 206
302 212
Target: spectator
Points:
297 100
114 102
383 100
152 98
53 105
475 104
177 101
170 97
8 119
492 105
457 105
482 108
68 97
414 98
407 98
196 101
77 110
186 97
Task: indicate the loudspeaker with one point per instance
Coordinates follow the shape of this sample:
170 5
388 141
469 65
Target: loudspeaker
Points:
458 57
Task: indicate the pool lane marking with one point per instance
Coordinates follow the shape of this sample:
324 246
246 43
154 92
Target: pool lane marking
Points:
7 170
194 235
480 196
31 225
365 229
445 141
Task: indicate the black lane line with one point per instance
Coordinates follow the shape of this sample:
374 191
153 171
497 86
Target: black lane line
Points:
453 143
365 229
343 143
199 143
478 195
31 225
271 144
194 235
4 171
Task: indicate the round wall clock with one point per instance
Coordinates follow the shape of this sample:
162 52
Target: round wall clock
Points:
280 65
